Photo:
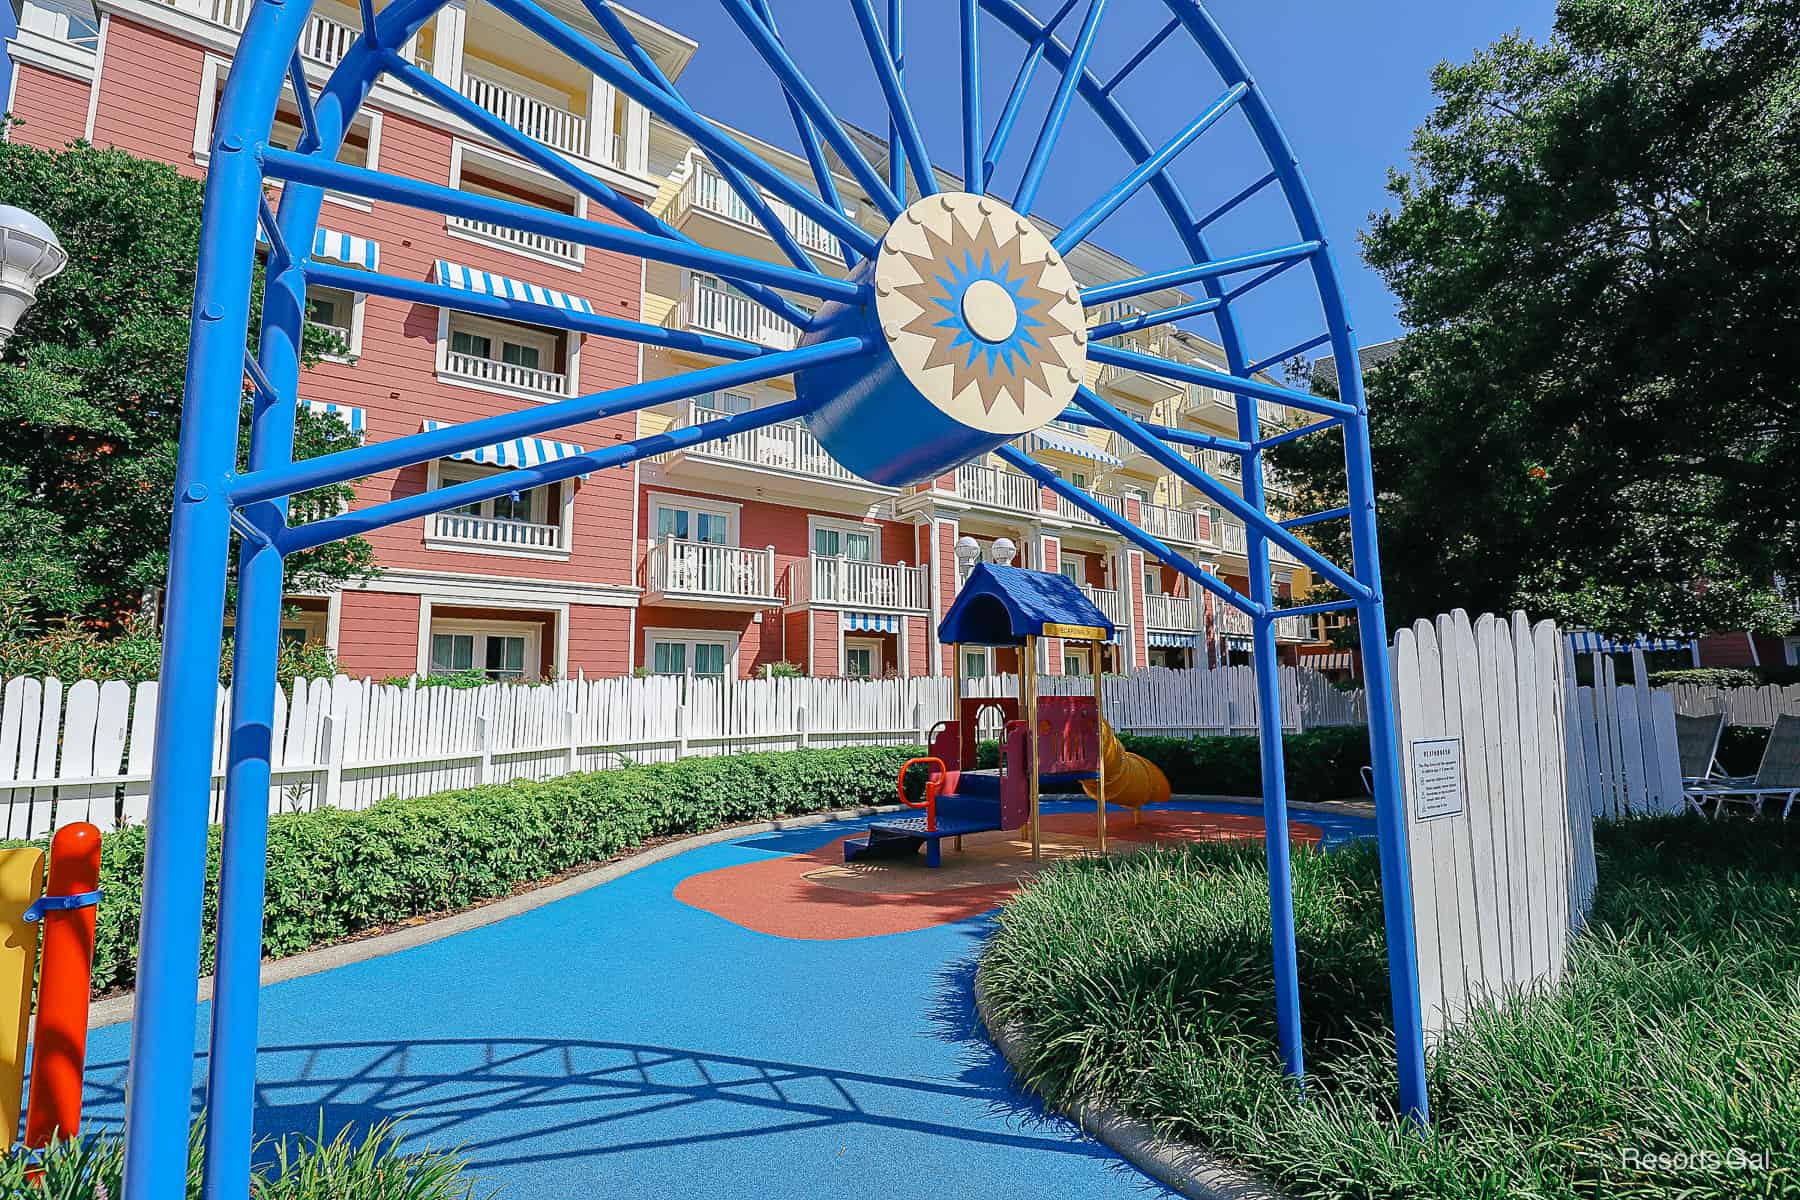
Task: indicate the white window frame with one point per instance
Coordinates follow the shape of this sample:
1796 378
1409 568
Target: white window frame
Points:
438 474
214 67
987 660
689 637
356 325
696 504
1076 559
1791 648
499 331
873 646
531 631
1073 654
502 164
873 530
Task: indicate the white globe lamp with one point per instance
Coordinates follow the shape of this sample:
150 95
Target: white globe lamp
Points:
29 254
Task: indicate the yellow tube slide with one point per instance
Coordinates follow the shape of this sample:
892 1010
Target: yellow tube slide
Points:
1132 780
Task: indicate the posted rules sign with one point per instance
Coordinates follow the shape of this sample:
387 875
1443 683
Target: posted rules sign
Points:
1437 778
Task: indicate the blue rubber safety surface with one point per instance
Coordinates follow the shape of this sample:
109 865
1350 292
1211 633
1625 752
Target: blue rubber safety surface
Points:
620 1043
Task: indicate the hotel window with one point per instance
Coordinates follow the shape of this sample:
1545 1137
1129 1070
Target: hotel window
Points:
496 654
339 314
506 355
829 542
672 656
692 525
975 664
862 659
724 402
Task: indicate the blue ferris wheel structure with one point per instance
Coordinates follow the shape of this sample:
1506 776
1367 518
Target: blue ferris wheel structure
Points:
953 333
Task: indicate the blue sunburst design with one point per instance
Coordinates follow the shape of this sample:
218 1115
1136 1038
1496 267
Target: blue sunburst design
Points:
1014 348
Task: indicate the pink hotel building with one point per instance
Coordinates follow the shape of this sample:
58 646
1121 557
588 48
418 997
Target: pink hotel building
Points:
722 559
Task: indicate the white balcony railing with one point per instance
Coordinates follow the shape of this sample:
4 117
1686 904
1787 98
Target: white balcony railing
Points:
1180 613
491 531
706 189
1232 539
1198 398
710 309
1069 511
1228 620
1293 629
323 40
535 117
825 580
537 243
994 488
703 569
789 447
502 374
1176 524
1110 602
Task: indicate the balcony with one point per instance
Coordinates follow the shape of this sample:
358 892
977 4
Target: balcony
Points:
992 487
704 575
492 373
1230 621
856 584
1176 525
788 448
1293 629
705 190
706 308
1180 614
1110 602
323 41
1129 381
534 243
1198 400
536 117
494 533
1221 464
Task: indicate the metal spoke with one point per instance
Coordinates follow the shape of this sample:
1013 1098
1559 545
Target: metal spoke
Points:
561 168
1289 435
748 192
1236 200
796 86
809 141
709 136
424 504
1148 48
1125 289
899 111
896 55
309 119
1302 348
1133 322
1015 99
544 418
359 181
1206 377
974 177
1073 70
1126 188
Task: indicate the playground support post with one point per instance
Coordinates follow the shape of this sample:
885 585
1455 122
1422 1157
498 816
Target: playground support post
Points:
1029 705
65 984
1100 749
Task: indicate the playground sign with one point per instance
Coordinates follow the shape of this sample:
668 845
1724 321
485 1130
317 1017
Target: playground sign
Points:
1437 778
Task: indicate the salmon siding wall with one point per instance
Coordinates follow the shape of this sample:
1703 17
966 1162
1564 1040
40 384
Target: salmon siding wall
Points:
378 634
55 108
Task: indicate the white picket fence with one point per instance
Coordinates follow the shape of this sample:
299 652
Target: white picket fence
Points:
83 752
1622 747
1500 841
1742 706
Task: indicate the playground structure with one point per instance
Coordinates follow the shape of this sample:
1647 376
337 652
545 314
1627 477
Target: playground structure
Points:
65 909
948 334
1053 740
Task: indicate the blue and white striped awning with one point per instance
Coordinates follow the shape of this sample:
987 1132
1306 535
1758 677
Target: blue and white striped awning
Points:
1337 660
1584 641
1052 438
1171 641
346 248
519 452
1239 642
350 415
485 283
862 622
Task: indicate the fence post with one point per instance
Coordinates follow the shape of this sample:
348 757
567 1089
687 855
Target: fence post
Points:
800 725
681 731
331 741
919 724
484 733
572 730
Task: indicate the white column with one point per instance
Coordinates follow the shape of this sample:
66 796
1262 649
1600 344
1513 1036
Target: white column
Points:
447 43
637 138
600 121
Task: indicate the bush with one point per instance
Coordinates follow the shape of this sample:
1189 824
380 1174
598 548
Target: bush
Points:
1146 980
333 873
1716 677
1322 764
133 655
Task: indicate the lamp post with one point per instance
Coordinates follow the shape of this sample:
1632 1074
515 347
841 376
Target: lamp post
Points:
29 254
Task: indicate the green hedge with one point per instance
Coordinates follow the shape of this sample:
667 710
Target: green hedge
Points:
334 873
1323 764
1719 677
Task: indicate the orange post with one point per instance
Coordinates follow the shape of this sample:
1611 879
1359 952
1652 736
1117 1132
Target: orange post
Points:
59 1049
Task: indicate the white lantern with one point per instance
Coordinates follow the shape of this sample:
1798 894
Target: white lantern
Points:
1004 552
29 254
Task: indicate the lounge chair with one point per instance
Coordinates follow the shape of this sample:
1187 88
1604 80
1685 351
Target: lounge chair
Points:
1777 778
1697 744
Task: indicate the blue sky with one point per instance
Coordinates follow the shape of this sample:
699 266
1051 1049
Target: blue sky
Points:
1349 81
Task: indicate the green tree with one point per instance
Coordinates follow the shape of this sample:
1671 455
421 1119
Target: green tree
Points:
1595 413
90 396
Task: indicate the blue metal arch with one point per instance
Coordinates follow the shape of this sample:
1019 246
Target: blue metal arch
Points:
212 498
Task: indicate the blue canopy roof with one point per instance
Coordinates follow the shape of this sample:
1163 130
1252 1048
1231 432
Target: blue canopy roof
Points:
1002 606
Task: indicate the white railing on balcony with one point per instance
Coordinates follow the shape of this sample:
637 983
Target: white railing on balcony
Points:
543 120
1199 398
821 579
491 531
323 40
1228 620
1068 510
1180 613
710 309
707 190
537 243
504 374
1110 602
1293 629
705 569
789 446
995 488
1232 538
1173 524
1222 464
336 331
